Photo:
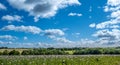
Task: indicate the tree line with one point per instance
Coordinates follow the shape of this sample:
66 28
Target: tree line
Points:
63 51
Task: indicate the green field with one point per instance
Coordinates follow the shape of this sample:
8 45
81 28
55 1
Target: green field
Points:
61 60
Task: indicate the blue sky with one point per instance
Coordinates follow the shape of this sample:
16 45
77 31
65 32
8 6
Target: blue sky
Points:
61 23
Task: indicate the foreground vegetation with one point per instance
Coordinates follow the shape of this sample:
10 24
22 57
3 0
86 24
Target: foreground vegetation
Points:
60 60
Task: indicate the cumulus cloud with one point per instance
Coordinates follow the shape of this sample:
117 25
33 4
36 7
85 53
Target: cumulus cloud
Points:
42 8
108 24
54 32
2 7
34 30
57 35
11 18
8 37
113 2
74 14
92 25
115 14
112 6
109 36
108 31
115 26
103 33
22 28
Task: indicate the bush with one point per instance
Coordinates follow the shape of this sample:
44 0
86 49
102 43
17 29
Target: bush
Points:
27 52
14 52
1 53
5 52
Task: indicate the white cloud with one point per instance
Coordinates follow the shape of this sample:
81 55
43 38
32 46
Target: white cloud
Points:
11 18
57 32
57 35
2 42
2 7
107 24
113 2
81 43
8 37
108 31
42 8
74 14
25 38
92 25
114 26
112 6
22 28
103 33
108 36
62 40
115 14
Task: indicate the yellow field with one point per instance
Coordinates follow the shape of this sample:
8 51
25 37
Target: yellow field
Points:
20 50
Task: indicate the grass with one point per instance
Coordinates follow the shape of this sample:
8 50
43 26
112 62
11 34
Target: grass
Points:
60 60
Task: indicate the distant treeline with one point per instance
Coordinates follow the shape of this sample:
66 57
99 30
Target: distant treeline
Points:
3 47
63 51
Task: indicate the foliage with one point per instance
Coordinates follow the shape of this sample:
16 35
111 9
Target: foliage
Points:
62 51
14 52
6 52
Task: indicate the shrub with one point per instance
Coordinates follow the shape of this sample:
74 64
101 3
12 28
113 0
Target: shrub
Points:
14 52
5 52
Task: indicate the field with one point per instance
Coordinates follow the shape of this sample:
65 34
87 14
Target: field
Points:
17 49
61 60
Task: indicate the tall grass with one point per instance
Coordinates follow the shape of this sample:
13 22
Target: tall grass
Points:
60 60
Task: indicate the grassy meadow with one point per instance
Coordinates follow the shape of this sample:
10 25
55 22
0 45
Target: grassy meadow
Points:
60 60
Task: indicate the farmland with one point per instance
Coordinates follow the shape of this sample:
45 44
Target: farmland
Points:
17 49
60 60
60 56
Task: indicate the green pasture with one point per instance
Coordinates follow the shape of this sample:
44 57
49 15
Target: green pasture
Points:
60 60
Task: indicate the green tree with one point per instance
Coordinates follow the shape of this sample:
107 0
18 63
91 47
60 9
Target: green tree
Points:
14 52
5 52
27 52
1 53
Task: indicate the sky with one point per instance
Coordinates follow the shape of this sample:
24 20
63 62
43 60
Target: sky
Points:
59 23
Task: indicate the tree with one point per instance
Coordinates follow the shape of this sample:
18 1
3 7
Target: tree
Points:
5 52
1 53
14 52
27 52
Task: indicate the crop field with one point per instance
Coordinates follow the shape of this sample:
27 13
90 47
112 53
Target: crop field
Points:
61 60
20 50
